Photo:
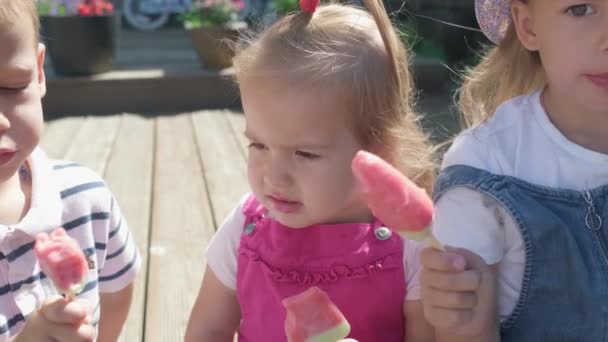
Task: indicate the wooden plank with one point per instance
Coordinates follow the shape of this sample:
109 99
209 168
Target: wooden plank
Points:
237 123
223 162
182 226
58 135
129 176
92 145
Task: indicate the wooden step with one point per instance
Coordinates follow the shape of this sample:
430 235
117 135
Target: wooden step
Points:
147 92
159 72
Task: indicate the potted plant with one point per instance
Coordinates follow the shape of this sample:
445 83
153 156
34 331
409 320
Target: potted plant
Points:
81 35
213 25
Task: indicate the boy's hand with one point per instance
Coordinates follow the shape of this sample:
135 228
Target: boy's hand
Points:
459 293
58 320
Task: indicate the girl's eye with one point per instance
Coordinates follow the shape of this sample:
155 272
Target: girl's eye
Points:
307 155
257 146
580 10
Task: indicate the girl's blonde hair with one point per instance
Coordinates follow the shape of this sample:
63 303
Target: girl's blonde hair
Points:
12 11
360 54
506 71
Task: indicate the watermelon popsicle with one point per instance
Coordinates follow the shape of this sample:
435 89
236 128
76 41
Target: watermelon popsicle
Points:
62 260
313 317
394 199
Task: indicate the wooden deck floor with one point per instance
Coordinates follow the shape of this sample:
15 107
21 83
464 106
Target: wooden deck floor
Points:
176 178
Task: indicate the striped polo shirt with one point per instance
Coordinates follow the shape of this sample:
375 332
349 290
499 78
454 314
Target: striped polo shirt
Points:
64 194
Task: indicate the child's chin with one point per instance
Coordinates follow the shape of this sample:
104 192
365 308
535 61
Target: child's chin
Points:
290 220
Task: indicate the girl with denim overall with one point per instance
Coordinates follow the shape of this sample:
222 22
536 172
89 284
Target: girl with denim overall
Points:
317 86
524 192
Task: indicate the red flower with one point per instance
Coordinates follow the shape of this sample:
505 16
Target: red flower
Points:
95 8
84 10
238 4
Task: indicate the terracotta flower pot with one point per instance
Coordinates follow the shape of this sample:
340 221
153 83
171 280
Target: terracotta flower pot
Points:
212 44
81 45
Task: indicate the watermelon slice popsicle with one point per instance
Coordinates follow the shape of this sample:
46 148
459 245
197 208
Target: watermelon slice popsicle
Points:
62 260
313 317
394 199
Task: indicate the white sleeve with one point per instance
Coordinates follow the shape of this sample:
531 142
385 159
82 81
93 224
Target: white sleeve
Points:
468 219
411 261
223 247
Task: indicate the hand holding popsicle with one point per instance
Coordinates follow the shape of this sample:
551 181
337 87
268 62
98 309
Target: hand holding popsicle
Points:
59 320
62 260
395 199
459 294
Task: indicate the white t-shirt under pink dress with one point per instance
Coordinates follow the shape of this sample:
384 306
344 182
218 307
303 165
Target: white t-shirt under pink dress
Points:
222 254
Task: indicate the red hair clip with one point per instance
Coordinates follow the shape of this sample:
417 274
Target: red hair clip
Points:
309 6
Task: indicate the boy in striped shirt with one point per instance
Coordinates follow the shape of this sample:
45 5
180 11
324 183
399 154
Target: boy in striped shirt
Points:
39 195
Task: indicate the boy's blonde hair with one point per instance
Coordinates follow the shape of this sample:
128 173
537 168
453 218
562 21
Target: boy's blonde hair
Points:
506 71
358 54
13 11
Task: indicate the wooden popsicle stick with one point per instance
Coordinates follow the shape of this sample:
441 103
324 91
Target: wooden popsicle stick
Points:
432 241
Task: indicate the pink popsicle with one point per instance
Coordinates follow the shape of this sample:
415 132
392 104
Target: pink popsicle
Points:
313 317
395 199
62 260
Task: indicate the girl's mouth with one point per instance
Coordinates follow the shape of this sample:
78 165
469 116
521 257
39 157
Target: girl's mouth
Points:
284 206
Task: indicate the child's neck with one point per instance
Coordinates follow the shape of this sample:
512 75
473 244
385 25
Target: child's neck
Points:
15 194
587 129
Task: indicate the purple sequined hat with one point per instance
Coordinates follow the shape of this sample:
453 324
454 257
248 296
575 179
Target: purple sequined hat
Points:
494 17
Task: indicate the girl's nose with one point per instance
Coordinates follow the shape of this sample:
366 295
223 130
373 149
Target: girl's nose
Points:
277 174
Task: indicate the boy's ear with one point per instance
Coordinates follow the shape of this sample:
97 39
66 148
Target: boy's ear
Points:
40 55
524 24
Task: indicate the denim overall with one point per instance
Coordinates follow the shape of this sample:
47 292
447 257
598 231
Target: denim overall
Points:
360 267
564 295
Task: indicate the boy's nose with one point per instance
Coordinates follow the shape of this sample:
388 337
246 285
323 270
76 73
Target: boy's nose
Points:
4 123
604 38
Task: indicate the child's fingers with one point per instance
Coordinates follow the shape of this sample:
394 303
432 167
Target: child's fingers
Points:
448 319
463 281
442 261
61 311
449 299
69 333
472 260
88 308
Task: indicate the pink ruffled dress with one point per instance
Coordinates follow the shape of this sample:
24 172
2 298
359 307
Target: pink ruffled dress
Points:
360 266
